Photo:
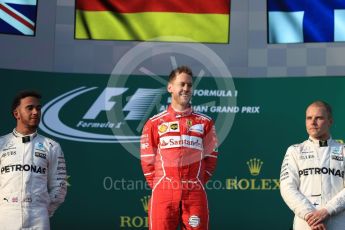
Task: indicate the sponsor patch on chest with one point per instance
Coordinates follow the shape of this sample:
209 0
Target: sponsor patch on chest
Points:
306 157
198 128
40 147
336 153
181 141
41 155
9 145
336 150
167 127
307 153
337 158
8 153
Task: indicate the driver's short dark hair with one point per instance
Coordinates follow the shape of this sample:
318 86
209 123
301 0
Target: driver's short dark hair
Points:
23 94
178 70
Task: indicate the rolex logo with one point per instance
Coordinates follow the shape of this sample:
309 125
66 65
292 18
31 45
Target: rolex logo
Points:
254 166
253 184
137 222
145 203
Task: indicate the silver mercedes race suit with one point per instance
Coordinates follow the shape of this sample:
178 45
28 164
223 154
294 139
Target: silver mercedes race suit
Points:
32 181
312 177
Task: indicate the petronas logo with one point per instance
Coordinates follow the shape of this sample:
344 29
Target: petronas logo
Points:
254 166
145 203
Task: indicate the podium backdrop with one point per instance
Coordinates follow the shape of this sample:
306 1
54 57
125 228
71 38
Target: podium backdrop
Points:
98 119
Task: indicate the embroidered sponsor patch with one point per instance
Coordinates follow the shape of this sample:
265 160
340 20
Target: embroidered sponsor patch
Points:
181 141
198 128
9 145
194 221
41 155
144 146
9 153
39 146
336 153
337 158
174 127
168 127
336 150
144 141
306 157
163 128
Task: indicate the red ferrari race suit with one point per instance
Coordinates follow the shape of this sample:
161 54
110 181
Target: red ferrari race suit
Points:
178 156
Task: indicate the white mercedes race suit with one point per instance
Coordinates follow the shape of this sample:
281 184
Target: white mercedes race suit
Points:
312 177
32 181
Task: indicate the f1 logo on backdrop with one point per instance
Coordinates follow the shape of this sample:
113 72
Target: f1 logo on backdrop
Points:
89 125
118 112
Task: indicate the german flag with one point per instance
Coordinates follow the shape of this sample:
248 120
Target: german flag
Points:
205 21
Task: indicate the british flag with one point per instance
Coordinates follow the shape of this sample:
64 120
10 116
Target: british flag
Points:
18 16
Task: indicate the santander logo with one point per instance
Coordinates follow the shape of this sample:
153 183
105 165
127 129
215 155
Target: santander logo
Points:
181 141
